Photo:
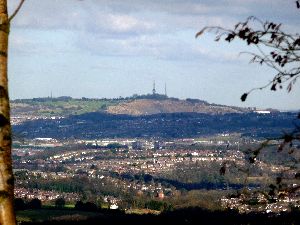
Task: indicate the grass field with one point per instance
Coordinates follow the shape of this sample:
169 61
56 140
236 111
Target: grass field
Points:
61 107
142 211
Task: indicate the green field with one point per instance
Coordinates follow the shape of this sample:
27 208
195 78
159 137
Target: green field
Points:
57 107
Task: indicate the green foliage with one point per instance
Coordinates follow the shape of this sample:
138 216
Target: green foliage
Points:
19 204
197 172
157 205
21 175
87 188
151 96
115 146
60 203
34 204
206 199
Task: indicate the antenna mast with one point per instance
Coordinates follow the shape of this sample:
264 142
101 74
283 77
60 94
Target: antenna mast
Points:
153 90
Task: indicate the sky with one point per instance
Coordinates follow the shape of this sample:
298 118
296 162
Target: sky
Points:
112 48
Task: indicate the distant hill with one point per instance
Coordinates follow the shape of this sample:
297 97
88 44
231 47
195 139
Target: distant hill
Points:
139 116
136 105
140 107
171 125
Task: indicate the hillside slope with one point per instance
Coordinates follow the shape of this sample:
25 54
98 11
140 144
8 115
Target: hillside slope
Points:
151 106
171 125
134 106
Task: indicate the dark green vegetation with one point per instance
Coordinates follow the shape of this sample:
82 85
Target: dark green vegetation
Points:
89 213
40 215
175 125
182 216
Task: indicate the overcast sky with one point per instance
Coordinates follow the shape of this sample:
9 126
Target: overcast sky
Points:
112 48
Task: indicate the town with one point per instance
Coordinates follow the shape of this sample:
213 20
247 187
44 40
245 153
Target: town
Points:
117 173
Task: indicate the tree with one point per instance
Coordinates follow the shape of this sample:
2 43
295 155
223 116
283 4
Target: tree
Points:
60 203
280 51
79 205
19 204
7 216
35 204
90 207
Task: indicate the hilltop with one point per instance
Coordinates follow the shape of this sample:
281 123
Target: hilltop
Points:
136 105
139 107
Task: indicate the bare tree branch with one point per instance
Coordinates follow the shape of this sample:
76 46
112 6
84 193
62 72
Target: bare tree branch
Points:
276 49
16 10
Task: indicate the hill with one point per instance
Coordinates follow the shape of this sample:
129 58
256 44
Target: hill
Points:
138 116
61 106
171 125
136 105
139 107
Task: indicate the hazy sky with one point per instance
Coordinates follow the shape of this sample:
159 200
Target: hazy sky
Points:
111 48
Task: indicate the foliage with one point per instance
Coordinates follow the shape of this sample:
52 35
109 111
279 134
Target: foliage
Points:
157 205
34 204
115 146
19 204
173 125
206 199
150 96
192 215
79 205
39 215
87 206
85 187
60 203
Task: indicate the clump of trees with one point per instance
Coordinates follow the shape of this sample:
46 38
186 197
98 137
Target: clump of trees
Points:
60 203
87 206
20 204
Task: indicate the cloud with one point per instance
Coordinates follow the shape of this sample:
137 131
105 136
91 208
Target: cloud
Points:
138 16
130 27
70 14
125 23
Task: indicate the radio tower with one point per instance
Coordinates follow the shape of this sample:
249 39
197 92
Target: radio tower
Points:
166 89
153 90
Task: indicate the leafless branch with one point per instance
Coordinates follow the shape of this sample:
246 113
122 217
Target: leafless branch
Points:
16 10
276 49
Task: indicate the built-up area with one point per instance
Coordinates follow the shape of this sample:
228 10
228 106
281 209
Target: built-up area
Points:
110 170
